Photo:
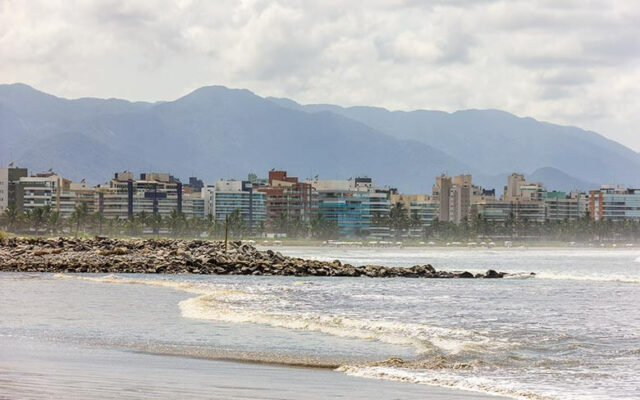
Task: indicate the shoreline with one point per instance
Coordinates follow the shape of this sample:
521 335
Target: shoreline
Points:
39 369
164 256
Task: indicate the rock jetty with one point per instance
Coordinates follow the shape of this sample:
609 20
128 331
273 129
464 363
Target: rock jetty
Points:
165 256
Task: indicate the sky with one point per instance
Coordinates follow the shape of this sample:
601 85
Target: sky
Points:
574 62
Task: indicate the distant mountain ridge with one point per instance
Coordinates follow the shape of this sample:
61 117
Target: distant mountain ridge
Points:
216 132
494 142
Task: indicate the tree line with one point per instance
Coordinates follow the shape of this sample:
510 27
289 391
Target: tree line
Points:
47 221
399 223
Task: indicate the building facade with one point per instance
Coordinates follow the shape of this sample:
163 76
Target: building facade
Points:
614 203
287 198
228 196
125 196
500 211
455 197
560 206
193 205
8 178
420 207
356 205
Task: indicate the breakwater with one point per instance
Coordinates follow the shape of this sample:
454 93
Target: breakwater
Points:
174 256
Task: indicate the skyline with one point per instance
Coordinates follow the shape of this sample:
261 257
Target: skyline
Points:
572 64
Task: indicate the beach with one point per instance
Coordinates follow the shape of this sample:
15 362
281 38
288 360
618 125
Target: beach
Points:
570 332
39 370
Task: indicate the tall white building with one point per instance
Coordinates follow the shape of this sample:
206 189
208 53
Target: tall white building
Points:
228 196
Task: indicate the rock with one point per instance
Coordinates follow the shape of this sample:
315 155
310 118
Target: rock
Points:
492 274
168 256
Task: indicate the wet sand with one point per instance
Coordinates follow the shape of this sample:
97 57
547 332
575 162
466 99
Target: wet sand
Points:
42 370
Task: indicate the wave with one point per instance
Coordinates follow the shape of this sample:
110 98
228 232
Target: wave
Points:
239 306
445 355
424 338
570 277
437 378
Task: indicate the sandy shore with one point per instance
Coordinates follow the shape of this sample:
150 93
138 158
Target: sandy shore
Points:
38 370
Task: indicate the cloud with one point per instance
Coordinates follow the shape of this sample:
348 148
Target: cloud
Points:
571 62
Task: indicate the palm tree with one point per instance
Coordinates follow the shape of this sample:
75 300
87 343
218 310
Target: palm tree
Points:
323 228
54 222
214 228
237 226
99 219
155 222
195 226
415 223
133 225
143 217
11 217
176 222
398 219
79 215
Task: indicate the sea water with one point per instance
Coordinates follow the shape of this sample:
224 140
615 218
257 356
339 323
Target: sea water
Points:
572 331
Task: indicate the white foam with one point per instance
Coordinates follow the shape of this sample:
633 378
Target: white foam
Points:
578 277
236 306
444 379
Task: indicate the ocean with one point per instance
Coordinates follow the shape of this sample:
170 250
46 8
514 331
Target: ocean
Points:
572 331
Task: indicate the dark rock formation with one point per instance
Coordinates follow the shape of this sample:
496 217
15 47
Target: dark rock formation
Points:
165 256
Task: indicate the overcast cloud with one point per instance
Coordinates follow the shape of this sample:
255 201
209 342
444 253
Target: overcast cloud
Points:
570 61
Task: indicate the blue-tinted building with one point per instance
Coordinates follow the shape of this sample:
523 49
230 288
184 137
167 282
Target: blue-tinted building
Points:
354 204
231 195
614 203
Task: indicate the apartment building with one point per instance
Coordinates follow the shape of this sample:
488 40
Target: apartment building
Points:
614 203
8 177
454 196
193 205
123 196
419 207
287 197
229 195
521 200
519 189
354 204
502 210
561 206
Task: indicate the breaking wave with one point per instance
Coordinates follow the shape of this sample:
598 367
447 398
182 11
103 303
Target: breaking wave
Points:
570 277
443 379
446 357
237 306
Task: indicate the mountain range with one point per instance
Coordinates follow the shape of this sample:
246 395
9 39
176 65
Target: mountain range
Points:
216 132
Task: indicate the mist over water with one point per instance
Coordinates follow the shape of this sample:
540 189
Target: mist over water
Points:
570 332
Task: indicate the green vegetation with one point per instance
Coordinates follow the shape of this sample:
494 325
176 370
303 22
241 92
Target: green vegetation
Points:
579 230
399 224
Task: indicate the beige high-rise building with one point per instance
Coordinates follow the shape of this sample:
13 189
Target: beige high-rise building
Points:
441 192
454 195
512 190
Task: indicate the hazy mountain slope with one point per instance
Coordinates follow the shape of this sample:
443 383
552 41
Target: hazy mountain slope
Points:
216 132
554 179
14 132
43 110
496 142
76 157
